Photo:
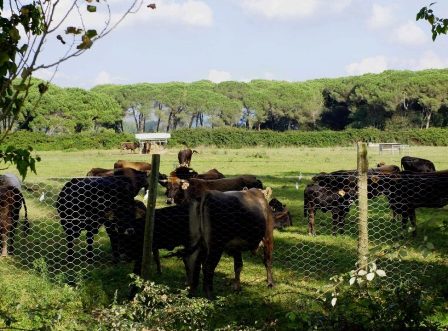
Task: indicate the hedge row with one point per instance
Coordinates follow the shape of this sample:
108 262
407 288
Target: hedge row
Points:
81 141
231 138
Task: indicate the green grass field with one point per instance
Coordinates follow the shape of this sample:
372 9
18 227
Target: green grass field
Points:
302 264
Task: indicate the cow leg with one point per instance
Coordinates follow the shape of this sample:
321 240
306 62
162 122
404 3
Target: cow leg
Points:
114 238
193 267
156 255
4 238
311 230
89 239
237 267
413 221
208 270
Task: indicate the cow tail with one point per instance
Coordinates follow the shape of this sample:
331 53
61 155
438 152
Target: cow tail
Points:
305 205
26 222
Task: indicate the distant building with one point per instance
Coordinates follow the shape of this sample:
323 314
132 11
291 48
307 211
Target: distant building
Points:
152 141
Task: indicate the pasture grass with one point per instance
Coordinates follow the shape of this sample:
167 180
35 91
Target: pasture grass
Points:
302 264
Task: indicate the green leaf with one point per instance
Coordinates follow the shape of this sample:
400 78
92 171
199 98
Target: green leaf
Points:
3 58
91 33
20 87
73 30
370 276
91 8
381 273
430 245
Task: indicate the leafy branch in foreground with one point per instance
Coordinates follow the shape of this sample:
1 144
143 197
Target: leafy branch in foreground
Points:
438 25
24 31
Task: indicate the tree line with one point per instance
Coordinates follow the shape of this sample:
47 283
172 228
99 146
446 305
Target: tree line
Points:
392 100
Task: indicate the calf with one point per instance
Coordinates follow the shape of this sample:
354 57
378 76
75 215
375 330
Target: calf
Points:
416 164
11 201
88 203
337 201
184 156
170 231
233 222
282 216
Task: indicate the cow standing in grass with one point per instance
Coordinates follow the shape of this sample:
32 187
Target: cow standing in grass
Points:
11 201
231 222
184 156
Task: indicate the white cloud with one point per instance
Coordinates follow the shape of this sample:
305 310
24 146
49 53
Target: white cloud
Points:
374 64
188 12
168 12
291 9
104 77
382 16
431 60
217 76
410 34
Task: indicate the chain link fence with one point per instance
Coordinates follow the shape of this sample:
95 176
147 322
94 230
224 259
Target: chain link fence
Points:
79 225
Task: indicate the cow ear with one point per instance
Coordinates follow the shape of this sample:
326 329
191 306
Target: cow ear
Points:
375 179
185 185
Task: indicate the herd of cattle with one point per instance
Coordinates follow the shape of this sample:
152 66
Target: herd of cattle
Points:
417 184
212 213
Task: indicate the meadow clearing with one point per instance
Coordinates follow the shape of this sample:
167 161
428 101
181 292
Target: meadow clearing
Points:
302 264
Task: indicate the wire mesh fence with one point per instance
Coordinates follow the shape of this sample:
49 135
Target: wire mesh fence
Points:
79 225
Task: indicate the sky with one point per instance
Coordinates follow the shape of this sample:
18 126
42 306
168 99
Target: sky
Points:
220 40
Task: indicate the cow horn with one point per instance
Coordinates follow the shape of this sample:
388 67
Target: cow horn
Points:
267 192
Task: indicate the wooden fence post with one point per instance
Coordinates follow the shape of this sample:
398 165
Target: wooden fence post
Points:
363 237
149 220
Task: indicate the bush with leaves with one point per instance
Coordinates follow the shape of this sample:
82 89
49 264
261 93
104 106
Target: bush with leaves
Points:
157 307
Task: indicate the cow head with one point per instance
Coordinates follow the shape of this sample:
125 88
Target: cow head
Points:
175 189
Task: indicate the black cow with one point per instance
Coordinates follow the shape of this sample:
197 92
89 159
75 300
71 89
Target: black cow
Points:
184 156
11 201
416 164
336 191
232 221
171 229
408 191
88 203
335 200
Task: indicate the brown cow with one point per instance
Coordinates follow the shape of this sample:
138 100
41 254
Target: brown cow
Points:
184 172
11 200
130 145
233 222
138 179
136 165
100 172
183 190
184 156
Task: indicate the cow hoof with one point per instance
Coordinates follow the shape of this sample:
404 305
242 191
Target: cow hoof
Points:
236 286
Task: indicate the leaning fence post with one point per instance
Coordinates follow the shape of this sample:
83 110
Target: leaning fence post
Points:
149 219
363 239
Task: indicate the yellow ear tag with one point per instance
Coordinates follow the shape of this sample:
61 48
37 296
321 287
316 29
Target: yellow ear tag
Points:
341 193
185 185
